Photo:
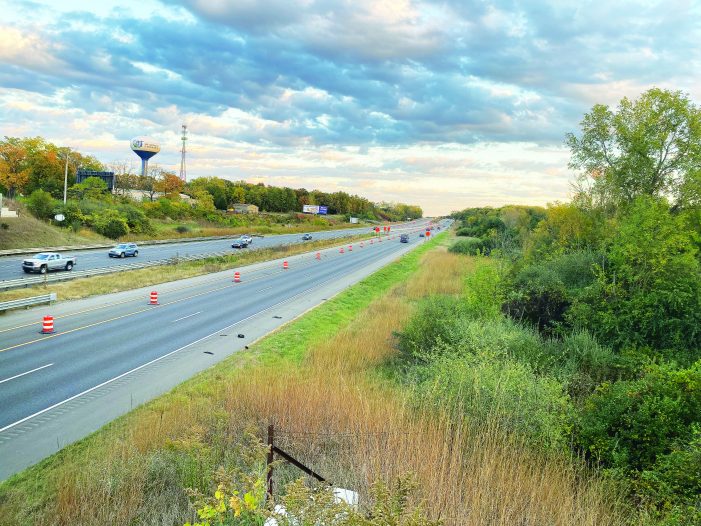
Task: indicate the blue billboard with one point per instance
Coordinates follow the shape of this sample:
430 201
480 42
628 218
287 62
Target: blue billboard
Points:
323 210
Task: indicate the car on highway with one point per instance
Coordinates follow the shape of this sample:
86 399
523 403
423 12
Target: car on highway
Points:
241 242
404 238
306 237
421 234
46 261
248 239
123 250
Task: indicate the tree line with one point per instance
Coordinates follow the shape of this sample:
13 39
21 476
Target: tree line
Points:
30 164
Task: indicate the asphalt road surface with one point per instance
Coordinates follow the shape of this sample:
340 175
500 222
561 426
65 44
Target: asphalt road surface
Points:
11 266
111 353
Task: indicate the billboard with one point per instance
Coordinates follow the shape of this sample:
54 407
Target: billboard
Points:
315 209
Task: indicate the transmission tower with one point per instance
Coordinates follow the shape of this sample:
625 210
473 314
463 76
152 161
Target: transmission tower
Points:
183 167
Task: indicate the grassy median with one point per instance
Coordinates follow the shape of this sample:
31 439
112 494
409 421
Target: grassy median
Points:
318 380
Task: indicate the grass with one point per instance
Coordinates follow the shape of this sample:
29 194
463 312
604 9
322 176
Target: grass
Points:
28 232
315 380
133 279
168 229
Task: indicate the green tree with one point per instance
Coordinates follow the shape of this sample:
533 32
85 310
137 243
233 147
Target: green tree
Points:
650 146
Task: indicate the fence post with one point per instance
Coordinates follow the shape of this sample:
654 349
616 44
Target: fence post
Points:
271 444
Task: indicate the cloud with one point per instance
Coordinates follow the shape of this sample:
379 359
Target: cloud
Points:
406 96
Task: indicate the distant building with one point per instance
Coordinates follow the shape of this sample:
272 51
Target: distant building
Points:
244 209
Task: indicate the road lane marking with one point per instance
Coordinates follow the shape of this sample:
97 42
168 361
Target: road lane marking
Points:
93 309
106 382
28 372
263 290
188 316
146 309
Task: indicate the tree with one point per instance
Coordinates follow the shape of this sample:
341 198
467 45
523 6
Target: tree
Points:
651 146
14 174
169 183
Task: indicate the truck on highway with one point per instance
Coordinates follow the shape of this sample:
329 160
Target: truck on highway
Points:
46 261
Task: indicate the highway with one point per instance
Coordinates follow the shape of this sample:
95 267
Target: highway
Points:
110 353
11 266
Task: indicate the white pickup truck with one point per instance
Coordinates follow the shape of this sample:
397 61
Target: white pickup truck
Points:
46 261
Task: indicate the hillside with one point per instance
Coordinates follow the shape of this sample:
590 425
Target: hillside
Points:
28 232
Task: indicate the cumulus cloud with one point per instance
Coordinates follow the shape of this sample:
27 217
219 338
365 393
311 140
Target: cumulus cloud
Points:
397 96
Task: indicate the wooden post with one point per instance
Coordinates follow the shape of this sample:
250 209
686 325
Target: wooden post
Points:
271 445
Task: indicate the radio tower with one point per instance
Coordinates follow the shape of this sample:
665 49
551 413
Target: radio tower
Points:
183 167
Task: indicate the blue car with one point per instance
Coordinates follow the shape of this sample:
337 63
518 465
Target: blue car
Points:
123 250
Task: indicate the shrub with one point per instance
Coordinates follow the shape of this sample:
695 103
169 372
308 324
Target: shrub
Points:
182 229
471 246
4 226
631 424
491 389
41 204
484 290
542 293
433 323
648 292
111 224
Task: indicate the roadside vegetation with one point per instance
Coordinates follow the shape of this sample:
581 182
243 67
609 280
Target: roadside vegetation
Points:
160 205
596 318
331 385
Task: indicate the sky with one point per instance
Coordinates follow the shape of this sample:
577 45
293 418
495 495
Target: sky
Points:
445 104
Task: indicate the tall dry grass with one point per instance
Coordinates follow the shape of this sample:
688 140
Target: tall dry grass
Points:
348 425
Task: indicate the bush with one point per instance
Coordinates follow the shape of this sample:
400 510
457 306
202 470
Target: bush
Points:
41 204
631 424
471 246
182 229
111 224
542 293
491 389
648 292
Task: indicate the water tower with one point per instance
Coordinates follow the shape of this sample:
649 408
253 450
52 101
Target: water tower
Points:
145 147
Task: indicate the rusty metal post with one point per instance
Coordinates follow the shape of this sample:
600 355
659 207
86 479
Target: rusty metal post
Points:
271 445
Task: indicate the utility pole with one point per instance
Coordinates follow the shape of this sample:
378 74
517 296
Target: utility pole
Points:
183 166
65 179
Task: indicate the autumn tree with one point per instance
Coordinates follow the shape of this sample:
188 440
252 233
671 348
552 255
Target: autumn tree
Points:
14 173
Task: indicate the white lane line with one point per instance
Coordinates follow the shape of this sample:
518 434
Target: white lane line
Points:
155 360
263 290
188 316
28 372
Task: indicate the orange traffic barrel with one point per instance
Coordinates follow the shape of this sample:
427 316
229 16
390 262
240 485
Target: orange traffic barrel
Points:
47 325
340 250
318 255
237 277
285 265
154 298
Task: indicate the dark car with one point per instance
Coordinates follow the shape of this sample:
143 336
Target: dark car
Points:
421 234
306 237
404 238
241 242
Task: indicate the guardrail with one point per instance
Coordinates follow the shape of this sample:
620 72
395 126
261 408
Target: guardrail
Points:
27 302
75 274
